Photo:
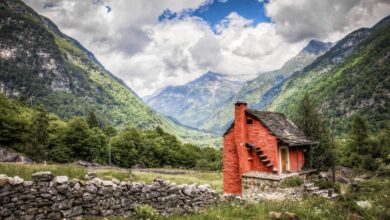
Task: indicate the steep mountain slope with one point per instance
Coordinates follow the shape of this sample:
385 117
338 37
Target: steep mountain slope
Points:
352 77
41 65
195 101
260 91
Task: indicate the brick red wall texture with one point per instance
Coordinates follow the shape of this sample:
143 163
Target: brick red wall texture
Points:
238 160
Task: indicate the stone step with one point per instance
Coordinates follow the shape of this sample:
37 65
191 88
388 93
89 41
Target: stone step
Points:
269 165
265 160
249 146
258 151
321 192
275 170
307 185
313 189
263 156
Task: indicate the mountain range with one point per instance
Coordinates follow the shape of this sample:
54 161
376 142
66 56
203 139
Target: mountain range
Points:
346 78
261 90
207 102
353 77
42 66
194 102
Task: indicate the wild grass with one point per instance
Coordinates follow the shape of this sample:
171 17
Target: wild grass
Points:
214 179
25 171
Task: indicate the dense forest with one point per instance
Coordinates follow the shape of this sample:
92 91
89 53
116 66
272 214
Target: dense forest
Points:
43 136
362 146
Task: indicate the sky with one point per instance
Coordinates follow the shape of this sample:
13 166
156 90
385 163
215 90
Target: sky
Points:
151 44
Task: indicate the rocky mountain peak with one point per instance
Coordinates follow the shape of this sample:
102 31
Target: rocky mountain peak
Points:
210 76
317 47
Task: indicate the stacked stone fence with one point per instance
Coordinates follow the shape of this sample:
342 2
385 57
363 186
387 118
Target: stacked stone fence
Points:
50 197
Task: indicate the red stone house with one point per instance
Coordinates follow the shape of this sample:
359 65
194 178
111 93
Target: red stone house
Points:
265 142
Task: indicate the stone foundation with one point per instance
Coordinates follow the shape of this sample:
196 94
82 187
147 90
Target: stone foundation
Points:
258 182
49 197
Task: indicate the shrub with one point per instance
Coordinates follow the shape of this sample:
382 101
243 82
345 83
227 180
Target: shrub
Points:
145 212
324 184
293 181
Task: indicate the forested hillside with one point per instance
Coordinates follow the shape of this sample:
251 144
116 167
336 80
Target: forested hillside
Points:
41 136
41 65
353 77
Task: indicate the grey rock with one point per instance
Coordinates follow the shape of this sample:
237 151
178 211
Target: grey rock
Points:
97 181
4 179
75 211
88 196
91 188
90 175
116 181
42 176
9 156
28 183
107 183
17 180
54 215
76 187
171 197
61 179
204 188
63 205
189 190
27 217
62 188
153 194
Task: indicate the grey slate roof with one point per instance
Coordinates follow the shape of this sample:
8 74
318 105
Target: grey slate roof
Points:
280 126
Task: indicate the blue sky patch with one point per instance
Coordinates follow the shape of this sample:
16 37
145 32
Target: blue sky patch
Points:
215 11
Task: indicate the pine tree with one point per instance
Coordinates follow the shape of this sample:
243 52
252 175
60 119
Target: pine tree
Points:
362 147
92 120
359 134
312 123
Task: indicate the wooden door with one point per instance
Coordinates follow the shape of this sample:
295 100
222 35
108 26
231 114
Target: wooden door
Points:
283 153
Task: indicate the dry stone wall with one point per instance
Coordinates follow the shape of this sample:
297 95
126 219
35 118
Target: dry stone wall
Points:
50 197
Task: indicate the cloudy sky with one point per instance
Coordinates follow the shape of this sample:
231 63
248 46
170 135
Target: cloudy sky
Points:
151 44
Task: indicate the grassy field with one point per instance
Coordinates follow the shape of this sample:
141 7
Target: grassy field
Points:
214 179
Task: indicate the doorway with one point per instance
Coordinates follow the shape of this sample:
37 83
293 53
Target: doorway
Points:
284 159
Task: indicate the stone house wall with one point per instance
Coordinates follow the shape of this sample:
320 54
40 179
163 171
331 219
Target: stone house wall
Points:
49 197
253 185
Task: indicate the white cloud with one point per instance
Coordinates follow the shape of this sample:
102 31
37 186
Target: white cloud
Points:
326 20
148 54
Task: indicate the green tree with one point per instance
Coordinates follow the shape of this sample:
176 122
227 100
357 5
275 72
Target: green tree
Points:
13 129
313 124
92 120
83 142
363 148
126 147
39 135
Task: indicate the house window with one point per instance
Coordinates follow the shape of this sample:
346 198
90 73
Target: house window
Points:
249 121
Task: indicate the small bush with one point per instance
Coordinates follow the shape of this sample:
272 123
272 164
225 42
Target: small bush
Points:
323 184
145 212
293 181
